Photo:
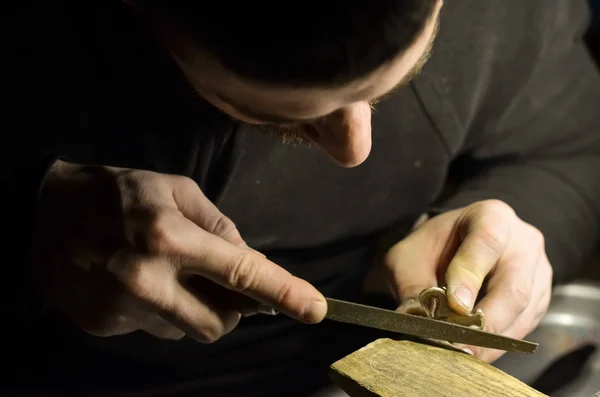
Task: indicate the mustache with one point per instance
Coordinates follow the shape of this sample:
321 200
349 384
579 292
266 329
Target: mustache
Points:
289 135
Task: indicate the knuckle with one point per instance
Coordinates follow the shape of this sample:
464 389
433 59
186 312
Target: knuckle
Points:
536 238
139 280
134 185
495 206
490 224
491 328
185 183
129 179
284 298
391 258
243 273
159 237
521 297
210 332
468 271
492 236
222 226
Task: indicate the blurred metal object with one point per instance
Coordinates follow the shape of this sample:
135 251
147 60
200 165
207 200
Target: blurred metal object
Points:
421 326
570 328
438 323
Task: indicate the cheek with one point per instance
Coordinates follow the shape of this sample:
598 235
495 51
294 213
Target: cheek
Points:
225 108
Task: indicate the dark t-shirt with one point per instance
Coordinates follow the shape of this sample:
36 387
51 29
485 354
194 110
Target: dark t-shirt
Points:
508 102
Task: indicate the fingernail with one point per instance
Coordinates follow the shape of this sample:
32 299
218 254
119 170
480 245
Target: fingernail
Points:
464 296
246 312
316 311
468 351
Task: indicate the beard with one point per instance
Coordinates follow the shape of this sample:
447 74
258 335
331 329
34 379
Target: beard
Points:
287 134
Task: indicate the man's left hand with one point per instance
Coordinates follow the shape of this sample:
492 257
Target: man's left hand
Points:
461 249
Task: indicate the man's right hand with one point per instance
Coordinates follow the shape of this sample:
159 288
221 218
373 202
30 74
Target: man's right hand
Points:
120 250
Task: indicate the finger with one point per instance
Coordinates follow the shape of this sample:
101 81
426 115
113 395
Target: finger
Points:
532 315
507 308
92 301
515 331
529 319
520 328
192 250
160 328
409 275
246 272
153 282
143 314
486 237
491 355
506 300
195 206
111 326
510 292
221 296
198 318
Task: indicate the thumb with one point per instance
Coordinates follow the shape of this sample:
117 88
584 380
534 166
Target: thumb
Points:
487 235
410 269
195 206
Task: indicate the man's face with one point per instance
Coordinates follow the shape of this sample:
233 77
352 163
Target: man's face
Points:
337 120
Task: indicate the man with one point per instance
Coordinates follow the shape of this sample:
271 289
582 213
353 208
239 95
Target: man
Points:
139 134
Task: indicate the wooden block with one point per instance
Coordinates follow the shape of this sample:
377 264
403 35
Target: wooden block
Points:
388 368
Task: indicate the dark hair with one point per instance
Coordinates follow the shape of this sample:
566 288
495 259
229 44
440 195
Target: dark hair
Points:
298 42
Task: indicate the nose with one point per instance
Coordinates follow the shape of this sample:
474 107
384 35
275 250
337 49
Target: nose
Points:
345 135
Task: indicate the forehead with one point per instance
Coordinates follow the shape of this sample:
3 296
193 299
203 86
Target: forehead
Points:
276 104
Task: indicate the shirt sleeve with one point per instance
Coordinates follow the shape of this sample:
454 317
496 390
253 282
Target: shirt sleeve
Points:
541 155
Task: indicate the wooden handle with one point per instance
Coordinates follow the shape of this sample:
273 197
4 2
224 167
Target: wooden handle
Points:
387 368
